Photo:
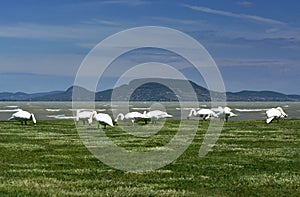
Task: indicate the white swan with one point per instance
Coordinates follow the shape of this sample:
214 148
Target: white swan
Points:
203 113
101 118
275 114
84 115
23 117
157 114
224 113
133 116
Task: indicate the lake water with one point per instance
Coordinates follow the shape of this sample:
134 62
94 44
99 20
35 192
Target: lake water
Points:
63 110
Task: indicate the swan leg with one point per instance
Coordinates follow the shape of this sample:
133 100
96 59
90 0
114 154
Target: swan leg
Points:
226 117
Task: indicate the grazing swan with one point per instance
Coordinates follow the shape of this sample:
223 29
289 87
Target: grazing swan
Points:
133 116
224 113
23 117
203 113
157 114
275 114
84 115
101 118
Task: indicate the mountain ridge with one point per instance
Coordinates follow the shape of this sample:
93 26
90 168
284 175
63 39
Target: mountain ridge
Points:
150 90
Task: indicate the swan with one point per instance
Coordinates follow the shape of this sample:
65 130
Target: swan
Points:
101 118
203 113
23 117
224 113
84 115
133 116
275 114
157 114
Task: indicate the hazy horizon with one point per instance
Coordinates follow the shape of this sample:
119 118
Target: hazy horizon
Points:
109 88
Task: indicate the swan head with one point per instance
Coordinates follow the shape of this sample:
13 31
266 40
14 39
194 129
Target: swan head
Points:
32 117
283 114
168 116
231 114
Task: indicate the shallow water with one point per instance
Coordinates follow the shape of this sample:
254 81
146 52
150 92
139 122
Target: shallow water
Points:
63 110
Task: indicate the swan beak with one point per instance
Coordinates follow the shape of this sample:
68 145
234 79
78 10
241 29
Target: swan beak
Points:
35 125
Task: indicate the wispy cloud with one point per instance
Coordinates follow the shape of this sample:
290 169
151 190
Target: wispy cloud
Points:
240 16
176 21
245 3
38 31
240 62
95 21
52 64
278 43
57 32
127 2
92 5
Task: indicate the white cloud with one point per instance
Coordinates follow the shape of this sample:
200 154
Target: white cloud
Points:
240 16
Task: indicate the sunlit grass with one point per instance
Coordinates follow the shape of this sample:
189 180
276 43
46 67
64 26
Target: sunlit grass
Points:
251 158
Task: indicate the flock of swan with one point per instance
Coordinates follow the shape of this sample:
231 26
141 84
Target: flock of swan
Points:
105 119
206 114
155 115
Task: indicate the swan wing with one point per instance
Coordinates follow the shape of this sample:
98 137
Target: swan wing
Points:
21 115
105 118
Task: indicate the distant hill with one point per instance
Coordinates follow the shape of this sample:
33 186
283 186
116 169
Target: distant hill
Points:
261 96
64 95
149 91
21 96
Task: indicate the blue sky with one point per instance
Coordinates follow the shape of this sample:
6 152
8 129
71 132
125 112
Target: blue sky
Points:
256 44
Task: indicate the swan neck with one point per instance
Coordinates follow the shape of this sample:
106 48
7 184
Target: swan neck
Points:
119 116
192 112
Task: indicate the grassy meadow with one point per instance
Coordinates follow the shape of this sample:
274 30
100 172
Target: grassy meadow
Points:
250 158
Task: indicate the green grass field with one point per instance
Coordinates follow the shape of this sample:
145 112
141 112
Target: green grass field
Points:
250 158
